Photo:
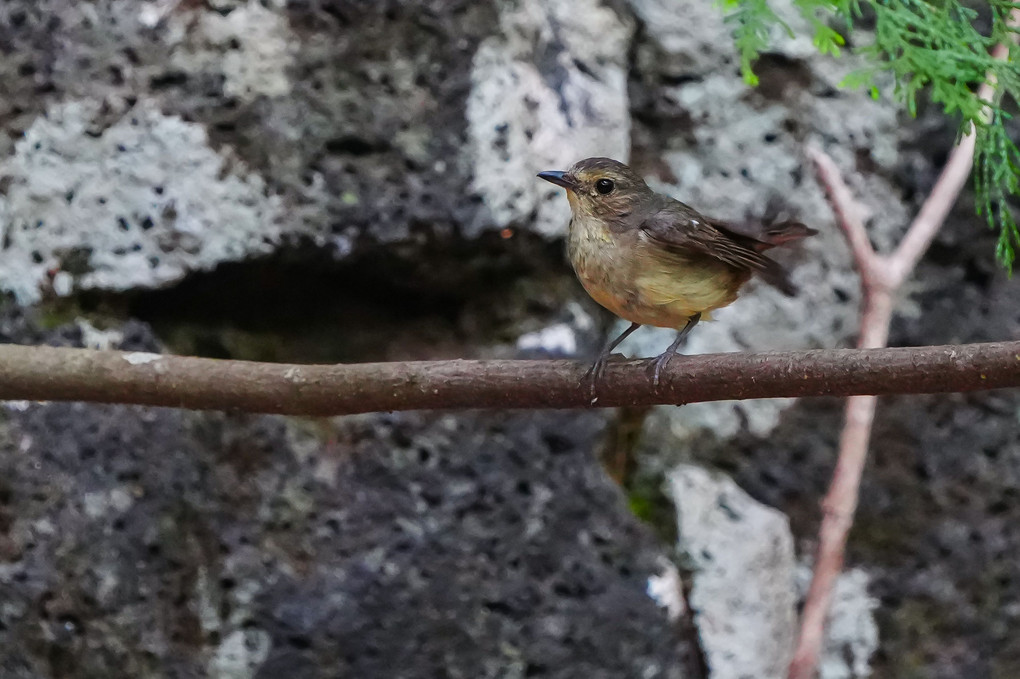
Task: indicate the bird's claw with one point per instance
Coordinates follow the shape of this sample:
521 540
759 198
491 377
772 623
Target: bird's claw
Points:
657 366
594 376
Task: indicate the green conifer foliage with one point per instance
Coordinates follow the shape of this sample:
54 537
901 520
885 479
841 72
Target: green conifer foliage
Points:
929 46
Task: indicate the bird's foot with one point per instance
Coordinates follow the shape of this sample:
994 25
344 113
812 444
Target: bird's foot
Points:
597 371
659 364
594 376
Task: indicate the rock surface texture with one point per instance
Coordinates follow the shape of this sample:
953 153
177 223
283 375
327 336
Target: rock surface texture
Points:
152 543
331 180
744 585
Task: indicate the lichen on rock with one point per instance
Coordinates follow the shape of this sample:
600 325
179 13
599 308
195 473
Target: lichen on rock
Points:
551 89
136 204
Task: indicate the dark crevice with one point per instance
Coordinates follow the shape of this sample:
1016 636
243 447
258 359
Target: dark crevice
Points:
780 76
698 667
355 146
388 302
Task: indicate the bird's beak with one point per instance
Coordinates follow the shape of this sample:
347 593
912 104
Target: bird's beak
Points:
559 178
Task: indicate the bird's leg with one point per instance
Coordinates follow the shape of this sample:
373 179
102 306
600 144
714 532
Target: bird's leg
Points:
598 368
665 356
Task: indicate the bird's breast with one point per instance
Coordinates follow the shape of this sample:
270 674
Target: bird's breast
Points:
592 249
600 262
642 282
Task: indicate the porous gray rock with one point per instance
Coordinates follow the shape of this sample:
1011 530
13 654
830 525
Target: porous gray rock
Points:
252 45
741 556
139 203
441 135
550 90
144 542
363 140
745 585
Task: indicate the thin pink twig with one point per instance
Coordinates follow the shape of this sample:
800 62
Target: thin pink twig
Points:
881 277
840 501
848 211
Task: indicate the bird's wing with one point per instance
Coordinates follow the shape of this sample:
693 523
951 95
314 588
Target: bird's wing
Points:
680 228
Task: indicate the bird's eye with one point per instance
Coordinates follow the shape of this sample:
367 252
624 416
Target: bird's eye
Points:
605 186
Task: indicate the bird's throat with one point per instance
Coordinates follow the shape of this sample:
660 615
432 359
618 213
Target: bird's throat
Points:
572 199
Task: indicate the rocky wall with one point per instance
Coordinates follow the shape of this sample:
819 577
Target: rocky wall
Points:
328 180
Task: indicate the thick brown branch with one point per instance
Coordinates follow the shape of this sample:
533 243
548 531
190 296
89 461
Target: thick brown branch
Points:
56 374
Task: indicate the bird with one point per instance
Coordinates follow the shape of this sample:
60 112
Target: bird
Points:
653 260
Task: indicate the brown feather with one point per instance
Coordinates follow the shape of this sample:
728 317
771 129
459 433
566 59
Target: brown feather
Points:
679 227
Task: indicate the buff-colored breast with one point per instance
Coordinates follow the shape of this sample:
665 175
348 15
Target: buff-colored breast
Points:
644 283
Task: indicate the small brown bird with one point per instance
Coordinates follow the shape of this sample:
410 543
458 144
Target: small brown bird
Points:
653 260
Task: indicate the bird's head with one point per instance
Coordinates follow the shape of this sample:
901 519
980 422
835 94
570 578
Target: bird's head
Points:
601 187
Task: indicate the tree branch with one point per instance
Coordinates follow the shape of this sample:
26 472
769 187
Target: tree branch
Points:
848 211
881 278
60 374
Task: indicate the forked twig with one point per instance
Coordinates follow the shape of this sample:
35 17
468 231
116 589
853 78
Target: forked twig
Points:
881 278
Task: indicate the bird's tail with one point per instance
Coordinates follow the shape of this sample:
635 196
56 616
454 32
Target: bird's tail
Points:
774 235
780 233
765 235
